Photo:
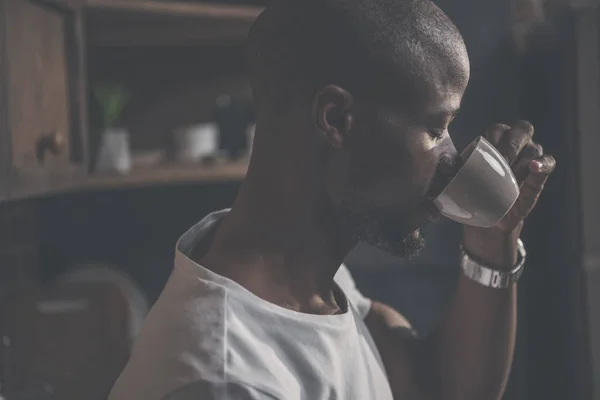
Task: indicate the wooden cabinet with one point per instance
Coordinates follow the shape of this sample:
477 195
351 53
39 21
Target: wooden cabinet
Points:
44 46
43 103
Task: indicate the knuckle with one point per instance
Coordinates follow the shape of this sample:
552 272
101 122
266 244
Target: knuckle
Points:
515 145
525 126
500 127
534 151
550 162
494 132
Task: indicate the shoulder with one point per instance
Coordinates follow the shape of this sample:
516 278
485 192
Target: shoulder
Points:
168 352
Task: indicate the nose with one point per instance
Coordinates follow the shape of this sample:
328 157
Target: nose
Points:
449 161
448 165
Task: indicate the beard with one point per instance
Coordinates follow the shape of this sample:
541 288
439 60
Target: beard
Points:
383 228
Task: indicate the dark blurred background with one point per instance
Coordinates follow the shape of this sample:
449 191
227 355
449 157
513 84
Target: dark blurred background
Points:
86 249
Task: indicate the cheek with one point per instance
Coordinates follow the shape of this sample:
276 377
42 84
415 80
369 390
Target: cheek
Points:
380 171
382 176
402 174
378 160
385 167
425 162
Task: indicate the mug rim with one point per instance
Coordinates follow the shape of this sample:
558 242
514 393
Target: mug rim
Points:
477 143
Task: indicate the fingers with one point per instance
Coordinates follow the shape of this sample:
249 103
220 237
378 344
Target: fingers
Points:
514 140
495 132
530 152
539 170
529 164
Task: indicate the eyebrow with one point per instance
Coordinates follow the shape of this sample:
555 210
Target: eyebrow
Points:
443 114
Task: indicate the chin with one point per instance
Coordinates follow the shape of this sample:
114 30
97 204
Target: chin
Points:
393 232
409 246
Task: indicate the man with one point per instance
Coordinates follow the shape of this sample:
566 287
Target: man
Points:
353 100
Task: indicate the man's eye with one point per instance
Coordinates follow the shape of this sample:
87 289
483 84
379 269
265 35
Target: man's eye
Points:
437 133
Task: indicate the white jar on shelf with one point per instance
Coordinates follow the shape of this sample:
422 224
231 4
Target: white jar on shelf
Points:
114 152
195 142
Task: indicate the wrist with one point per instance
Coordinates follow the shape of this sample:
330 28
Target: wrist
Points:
492 247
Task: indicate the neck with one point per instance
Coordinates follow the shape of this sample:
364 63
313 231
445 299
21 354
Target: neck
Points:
278 240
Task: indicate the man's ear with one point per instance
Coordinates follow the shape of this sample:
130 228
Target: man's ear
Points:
332 114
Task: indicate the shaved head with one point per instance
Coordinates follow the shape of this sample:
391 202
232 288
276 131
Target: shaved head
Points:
387 48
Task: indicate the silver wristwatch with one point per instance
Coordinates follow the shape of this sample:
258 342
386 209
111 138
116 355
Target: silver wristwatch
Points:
492 277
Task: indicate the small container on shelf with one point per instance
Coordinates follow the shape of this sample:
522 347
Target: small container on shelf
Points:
197 142
114 154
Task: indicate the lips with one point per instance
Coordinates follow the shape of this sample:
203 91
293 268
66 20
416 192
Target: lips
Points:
447 169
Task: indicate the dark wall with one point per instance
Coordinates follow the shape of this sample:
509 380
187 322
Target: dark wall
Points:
133 229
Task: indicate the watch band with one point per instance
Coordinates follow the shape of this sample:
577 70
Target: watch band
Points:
490 277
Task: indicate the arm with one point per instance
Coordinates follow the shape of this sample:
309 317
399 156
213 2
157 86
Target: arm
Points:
468 357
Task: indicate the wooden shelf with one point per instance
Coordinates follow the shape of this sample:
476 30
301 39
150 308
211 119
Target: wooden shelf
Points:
166 23
178 8
55 182
168 175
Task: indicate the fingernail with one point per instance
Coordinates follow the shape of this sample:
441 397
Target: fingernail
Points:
536 166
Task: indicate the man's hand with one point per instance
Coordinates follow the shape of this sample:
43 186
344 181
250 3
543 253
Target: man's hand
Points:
497 245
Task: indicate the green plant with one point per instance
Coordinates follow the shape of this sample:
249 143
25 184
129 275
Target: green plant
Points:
111 100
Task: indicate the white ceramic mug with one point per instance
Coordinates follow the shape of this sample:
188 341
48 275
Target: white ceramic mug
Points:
483 190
